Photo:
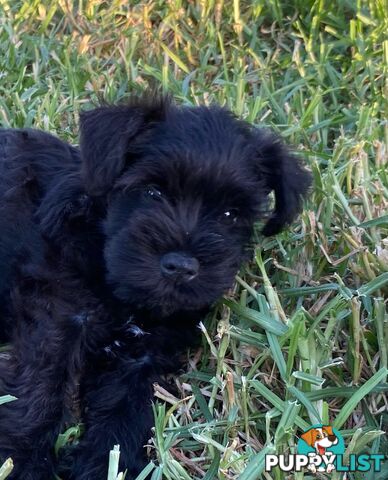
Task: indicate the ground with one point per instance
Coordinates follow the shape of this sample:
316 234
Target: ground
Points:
303 337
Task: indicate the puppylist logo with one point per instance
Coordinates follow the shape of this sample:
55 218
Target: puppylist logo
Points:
321 448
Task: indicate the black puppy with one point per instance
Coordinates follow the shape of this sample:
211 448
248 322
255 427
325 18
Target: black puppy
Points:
115 251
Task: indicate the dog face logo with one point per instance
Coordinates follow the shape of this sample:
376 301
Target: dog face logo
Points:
320 438
322 443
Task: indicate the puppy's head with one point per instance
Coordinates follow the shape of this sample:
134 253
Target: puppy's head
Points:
184 187
320 438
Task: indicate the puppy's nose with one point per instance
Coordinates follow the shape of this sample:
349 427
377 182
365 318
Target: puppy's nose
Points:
178 266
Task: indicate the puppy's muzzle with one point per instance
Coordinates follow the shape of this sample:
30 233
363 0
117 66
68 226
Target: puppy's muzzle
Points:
179 266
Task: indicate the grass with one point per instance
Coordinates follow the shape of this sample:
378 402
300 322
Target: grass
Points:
303 337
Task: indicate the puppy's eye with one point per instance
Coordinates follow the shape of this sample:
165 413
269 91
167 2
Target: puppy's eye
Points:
230 216
153 192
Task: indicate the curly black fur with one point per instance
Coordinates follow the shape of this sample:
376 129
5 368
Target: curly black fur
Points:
110 254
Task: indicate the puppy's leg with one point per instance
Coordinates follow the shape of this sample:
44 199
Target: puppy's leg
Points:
118 411
37 374
118 399
27 434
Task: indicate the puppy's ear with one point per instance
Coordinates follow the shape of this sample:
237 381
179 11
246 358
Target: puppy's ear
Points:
282 173
63 204
107 132
328 429
309 436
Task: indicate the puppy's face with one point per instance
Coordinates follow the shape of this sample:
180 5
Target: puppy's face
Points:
177 229
181 203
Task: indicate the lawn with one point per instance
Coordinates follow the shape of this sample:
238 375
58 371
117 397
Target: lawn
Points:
302 339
